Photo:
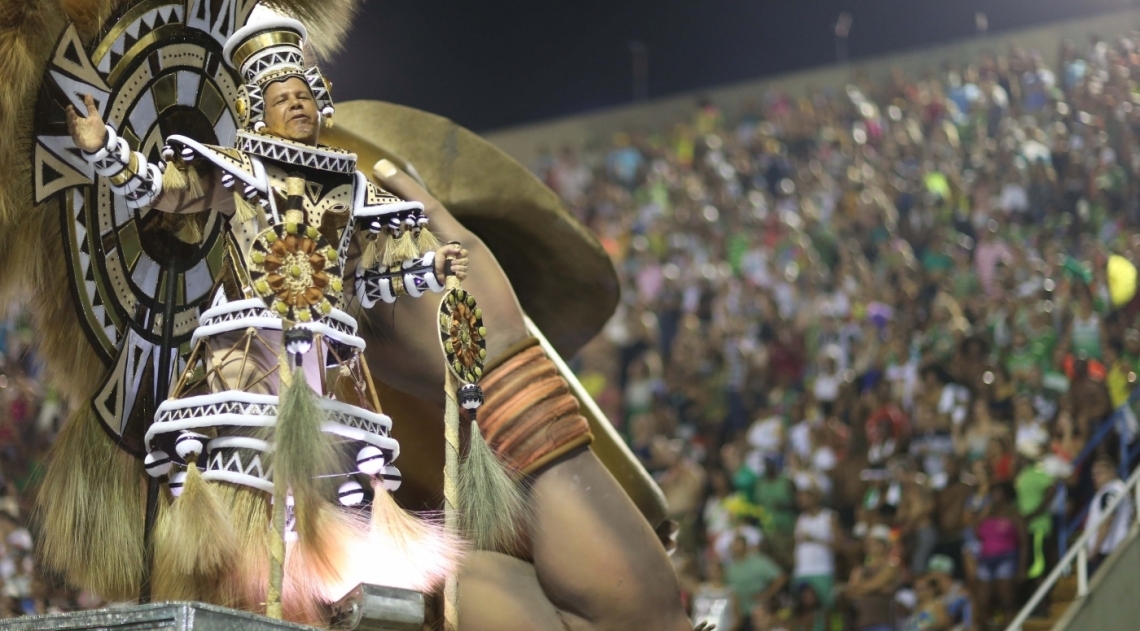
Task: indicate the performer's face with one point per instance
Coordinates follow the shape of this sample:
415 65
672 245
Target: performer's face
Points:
290 111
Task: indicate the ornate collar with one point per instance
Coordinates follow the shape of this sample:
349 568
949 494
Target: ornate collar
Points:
318 157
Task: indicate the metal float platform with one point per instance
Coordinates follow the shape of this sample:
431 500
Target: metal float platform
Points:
365 608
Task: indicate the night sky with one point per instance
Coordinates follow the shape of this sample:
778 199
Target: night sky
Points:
489 64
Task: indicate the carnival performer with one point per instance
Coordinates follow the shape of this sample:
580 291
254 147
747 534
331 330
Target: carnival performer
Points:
275 393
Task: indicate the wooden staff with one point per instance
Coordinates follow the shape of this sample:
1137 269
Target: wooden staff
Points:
450 477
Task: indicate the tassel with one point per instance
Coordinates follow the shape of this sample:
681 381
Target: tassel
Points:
243 210
194 539
426 241
173 179
303 454
406 551
189 231
373 251
400 249
193 183
492 508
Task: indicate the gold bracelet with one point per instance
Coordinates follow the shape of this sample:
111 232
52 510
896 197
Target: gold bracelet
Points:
128 172
398 286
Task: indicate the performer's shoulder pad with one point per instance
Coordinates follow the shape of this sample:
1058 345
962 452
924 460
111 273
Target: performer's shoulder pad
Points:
372 200
237 163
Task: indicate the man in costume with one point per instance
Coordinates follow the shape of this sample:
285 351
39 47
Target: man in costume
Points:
275 375
591 560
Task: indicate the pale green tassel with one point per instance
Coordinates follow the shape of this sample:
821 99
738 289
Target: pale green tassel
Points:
400 249
426 241
173 179
193 183
243 210
303 455
493 512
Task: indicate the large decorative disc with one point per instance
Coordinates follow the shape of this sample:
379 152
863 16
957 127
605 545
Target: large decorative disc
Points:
155 70
295 271
462 334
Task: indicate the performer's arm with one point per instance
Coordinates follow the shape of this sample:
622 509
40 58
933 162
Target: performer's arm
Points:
131 175
427 273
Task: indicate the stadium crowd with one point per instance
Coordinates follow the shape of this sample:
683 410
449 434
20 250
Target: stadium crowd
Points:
865 332
865 336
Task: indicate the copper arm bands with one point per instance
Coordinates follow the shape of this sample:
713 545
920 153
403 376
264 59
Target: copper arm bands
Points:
529 417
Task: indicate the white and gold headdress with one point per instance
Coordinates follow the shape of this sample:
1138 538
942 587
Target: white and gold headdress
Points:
271 51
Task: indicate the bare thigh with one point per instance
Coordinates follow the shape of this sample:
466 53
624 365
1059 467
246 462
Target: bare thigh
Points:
501 593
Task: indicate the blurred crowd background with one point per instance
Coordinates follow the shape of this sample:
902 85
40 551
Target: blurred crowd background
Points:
877 342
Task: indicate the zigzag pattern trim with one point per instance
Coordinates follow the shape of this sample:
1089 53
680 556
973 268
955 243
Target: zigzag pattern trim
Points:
296 154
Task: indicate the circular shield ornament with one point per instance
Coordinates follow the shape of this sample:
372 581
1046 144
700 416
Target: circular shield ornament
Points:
463 335
155 69
295 271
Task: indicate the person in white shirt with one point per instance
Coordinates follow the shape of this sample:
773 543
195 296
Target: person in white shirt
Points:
1110 530
817 535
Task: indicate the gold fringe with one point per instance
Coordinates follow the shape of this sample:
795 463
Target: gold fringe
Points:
89 511
244 587
193 183
194 542
400 249
426 241
189 231
243 210
173 179
374 251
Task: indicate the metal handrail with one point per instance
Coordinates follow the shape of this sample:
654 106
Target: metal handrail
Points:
1078 553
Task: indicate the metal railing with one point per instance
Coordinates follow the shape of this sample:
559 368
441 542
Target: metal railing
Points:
1079 554
1129 451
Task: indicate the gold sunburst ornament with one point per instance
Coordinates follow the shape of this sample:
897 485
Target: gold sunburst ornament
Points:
295 271
463 335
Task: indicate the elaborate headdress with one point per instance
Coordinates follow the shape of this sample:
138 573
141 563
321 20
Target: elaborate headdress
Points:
271 51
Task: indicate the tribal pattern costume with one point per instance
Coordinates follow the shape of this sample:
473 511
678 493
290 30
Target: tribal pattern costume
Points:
272 391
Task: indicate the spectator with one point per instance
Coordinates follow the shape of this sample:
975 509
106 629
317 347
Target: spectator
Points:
1109 530
714 602
817 536
1035 490
752 576
955 598
1002 555
809 613
871 588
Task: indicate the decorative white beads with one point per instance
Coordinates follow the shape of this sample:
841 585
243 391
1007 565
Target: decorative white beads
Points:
157 463
370 460
350 493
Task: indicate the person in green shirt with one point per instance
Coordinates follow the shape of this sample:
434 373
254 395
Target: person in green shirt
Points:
752 576
776 494
1035 488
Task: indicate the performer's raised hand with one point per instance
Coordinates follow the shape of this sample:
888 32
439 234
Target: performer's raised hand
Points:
87 132
457 255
